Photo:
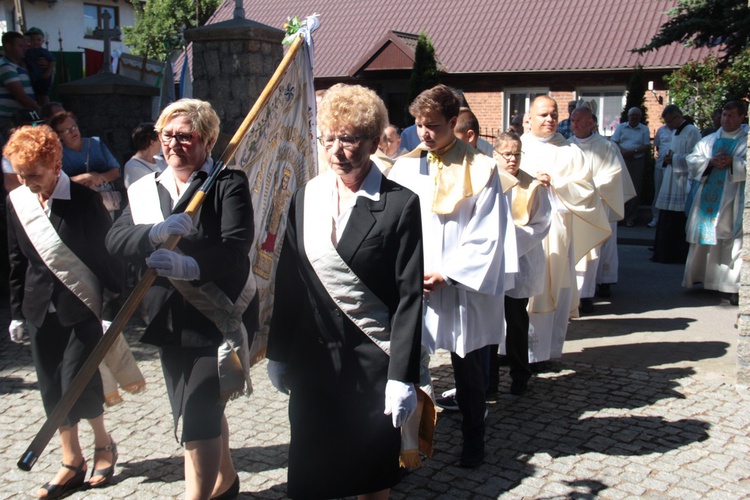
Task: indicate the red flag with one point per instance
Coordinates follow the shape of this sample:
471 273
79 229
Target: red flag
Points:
93 61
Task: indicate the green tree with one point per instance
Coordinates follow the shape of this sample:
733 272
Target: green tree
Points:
706 23
636 92
159 24
700 87
424 73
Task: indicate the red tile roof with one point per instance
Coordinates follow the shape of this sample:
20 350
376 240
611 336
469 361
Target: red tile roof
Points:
480 36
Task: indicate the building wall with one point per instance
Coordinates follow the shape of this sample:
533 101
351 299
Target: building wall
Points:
64 19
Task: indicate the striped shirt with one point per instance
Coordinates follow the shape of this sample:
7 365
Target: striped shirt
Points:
10 72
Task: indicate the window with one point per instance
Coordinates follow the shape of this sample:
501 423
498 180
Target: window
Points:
92 18
607 106
517 101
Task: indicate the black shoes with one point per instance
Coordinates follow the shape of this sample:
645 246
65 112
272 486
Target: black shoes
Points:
108 472
72 484
734 299
519 387
232 493
603 291
472 454
586 306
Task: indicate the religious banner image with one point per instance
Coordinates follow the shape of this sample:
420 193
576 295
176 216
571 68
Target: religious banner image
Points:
278 154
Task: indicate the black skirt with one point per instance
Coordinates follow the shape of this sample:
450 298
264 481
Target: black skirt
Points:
341 444
59 352
192 378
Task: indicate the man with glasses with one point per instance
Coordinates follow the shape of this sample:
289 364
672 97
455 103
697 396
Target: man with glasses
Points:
613 185
579 223
464 219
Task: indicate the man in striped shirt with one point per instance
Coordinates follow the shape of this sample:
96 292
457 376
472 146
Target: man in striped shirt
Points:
15 86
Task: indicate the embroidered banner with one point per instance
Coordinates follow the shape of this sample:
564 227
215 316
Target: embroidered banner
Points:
278 154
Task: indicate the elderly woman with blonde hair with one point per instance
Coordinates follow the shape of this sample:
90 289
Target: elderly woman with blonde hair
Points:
346 327
56 231
203 346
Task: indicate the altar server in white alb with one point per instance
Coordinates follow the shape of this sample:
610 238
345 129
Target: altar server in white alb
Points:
464 218
579 223
714 227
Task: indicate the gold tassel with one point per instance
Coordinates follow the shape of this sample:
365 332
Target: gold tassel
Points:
409 459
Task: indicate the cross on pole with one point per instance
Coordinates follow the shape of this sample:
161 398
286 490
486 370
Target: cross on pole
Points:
106 33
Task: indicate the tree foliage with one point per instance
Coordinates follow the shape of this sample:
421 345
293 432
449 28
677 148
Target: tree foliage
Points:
424 73
700 87
706 23
159 25
636 92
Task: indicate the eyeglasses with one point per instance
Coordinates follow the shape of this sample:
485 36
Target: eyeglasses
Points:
180 138
509 155
68 130
346 141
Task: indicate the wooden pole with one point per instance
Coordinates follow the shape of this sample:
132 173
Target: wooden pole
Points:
91 365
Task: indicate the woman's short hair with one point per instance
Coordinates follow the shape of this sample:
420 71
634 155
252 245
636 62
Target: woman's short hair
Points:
60 117
143 135
354 106
38 144
201 114
440 98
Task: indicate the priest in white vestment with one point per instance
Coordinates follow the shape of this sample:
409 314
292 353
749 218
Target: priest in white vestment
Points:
614 186
714 227
579 223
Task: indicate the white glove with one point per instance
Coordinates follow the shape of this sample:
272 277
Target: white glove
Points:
180 224
174 265
17 330
105 326
400 401
277 374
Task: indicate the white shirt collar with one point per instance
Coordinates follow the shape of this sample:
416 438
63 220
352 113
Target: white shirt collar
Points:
166 179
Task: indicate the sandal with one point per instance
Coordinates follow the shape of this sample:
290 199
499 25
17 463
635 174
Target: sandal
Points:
107 472
72 484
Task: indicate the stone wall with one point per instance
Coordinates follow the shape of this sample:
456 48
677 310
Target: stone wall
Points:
109 106
232 62
743 322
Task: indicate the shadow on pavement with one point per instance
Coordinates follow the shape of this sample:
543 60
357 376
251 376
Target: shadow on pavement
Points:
587 327
582 410
642 356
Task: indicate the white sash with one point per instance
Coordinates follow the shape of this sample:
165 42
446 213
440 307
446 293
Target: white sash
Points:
349 293
209 299
363 308
55 254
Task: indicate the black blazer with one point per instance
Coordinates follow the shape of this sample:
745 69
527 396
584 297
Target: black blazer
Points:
82 223
382 244
221 246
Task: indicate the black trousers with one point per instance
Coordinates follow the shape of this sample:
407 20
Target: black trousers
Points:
59 352
469 373
517 338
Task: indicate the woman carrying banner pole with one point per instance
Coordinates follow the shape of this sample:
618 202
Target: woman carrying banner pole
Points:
201 307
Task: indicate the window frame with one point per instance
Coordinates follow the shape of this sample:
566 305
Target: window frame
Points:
531 93
619 89
115 22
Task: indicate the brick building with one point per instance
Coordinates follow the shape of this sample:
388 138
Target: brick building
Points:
500 54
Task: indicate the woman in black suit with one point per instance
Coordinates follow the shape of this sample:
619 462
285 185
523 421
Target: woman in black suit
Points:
212 263
346 327
56 231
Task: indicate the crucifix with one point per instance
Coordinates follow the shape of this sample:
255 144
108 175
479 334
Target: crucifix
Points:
106 33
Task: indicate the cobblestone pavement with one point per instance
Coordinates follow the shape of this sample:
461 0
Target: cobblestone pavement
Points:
597 425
